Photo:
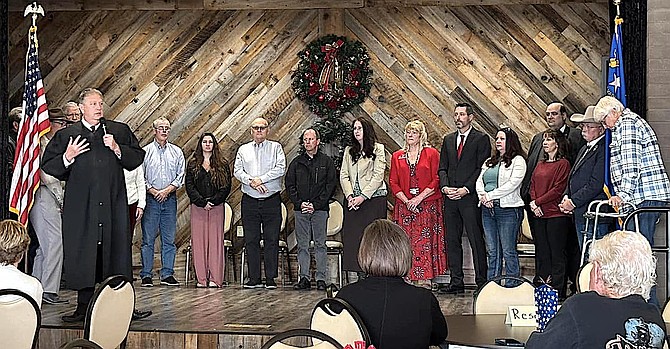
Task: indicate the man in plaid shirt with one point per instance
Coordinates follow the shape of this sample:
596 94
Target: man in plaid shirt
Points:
636 166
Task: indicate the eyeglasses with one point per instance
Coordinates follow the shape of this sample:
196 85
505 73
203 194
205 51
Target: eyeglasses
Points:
71 115
259 128
163 128
553 113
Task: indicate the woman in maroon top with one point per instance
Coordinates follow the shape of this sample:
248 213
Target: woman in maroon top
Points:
418 207
547 185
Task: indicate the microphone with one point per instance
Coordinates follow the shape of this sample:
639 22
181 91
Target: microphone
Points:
103 123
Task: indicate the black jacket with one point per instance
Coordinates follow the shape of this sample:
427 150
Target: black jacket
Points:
589 320
200 188
311 180
397 315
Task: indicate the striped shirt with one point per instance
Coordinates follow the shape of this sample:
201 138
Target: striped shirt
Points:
636 166
265 161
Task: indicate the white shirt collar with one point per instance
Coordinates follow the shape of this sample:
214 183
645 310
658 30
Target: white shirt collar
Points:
593 142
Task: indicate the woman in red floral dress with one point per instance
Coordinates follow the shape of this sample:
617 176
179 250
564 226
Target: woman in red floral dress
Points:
418 208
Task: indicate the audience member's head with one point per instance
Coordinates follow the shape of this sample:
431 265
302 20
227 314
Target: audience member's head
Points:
623 264
14 241
385 250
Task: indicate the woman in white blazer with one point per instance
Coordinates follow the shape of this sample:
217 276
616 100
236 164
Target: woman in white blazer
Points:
362 181
498 187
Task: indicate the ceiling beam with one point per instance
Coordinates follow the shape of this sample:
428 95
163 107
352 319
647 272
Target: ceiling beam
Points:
171 5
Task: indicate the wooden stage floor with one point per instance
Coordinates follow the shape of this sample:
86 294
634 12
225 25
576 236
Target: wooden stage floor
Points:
230 317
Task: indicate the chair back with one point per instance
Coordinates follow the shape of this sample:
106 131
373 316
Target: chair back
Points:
584 277
320 340
110 312
20 319
495 299
284 214
335 218
666 312
227 217
525 226
338 319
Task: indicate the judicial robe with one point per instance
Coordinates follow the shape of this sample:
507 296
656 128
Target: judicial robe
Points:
95 207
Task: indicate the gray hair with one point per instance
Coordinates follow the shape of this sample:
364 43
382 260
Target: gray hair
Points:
16 114
385 250
87 92
627 265
605 106
160 120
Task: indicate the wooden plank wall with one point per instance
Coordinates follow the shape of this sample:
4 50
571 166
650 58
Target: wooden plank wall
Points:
217 70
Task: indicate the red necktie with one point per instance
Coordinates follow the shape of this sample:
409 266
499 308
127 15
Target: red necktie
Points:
460 147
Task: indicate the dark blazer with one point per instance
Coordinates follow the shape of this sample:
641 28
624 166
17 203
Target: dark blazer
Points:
587 178
535 152
464 172
396 314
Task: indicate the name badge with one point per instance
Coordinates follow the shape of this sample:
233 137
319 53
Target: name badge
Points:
521 315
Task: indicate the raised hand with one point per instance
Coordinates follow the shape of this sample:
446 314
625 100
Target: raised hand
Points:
76 147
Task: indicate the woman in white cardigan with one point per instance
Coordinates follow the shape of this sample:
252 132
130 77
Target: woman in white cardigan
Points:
498 188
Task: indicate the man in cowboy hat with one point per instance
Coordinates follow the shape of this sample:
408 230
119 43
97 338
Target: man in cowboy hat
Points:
587 175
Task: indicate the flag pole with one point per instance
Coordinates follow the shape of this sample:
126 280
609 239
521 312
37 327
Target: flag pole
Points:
34 124
617 3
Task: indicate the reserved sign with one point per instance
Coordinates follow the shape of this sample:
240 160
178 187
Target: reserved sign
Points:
521 315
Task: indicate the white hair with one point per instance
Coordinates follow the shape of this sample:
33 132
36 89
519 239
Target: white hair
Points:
605 106
627 265
160 120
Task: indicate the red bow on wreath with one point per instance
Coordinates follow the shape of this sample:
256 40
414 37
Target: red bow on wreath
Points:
331 67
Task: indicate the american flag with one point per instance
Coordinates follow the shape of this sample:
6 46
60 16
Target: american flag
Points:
34 124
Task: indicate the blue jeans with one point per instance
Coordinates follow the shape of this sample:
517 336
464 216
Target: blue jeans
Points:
648 228
159 216
647 220
501 226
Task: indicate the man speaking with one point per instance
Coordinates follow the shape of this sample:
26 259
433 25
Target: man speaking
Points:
90 156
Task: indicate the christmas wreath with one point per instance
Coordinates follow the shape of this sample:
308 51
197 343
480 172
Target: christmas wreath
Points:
333 77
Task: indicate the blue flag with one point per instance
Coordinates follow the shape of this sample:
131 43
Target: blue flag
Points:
616 87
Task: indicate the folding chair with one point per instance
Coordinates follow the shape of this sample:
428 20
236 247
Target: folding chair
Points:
20 321
109 314
493 298
338 319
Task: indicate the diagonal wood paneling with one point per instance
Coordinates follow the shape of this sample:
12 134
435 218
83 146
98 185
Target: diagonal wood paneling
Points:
217 70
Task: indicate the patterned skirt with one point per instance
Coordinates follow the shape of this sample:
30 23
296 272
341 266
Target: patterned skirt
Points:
426 235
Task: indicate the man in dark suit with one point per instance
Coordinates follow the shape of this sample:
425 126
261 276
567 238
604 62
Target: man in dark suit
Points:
461 158
555 116
587 175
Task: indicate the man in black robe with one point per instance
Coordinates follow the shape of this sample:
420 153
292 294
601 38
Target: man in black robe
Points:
90 156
